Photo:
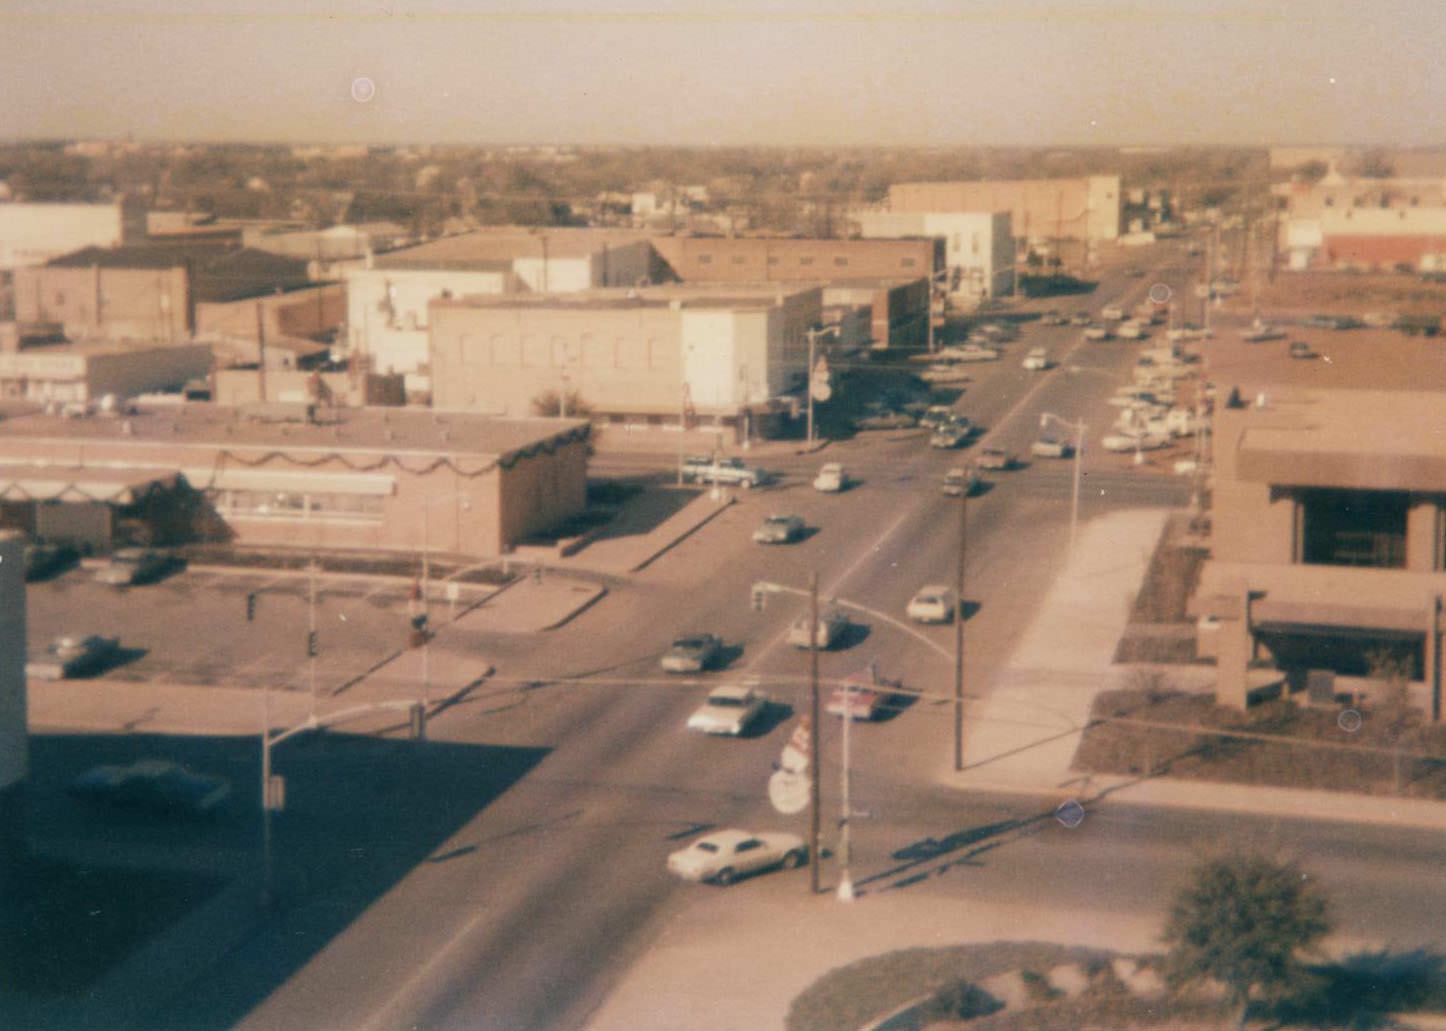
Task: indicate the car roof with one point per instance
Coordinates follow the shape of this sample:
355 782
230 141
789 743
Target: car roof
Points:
934 589
731 691
728 836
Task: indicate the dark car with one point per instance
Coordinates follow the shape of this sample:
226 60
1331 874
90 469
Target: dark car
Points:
1331 322
154 785
1301 349
691 653
884 419
779 529
46 560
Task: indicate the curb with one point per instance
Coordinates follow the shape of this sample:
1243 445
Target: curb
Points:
579 610
718 510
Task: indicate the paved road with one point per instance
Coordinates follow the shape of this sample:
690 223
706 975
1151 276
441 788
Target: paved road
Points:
530 908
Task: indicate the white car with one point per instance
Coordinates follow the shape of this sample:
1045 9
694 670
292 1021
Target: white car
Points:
1122 442
970 353
959 482
1037 360
832 622
1113 312
1051 447
1096 333
831 478
730 710
1131 331
932 604
726 855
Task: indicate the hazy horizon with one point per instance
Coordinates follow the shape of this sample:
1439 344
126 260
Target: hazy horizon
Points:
912 73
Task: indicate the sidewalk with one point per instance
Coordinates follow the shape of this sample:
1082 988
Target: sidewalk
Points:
1022 737
643 531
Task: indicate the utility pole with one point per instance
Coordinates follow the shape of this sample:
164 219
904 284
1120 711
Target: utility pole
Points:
260 350
815 759
311 634
959 636
845 847
812 335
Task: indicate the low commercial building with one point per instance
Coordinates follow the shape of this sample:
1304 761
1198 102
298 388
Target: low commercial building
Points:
387 301
1328 512
83 374
302 321
287 476
659 354
146 292
978 246
761 259
32 234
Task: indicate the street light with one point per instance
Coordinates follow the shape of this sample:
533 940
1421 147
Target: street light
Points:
1079 431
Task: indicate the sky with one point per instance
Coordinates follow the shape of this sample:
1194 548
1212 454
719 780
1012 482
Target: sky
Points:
716 72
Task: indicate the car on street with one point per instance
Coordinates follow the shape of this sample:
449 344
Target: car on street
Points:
832 622
970 353
959 482
1112 312
1131 330
862 696
1123 442
945 372
46 560
994 458
73 655
726 855
724 471
153 785
135 566
691 653
933 603
1259 332
1301 349
779 529
1336 322
729 709
1051 318
831 478
1080 318
1096 333
1135 272
1051 447
1037 360
950 435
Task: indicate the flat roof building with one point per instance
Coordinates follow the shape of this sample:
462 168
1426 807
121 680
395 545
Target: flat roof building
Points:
286 476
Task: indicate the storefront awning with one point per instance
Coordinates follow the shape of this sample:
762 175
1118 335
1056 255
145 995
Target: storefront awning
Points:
81 483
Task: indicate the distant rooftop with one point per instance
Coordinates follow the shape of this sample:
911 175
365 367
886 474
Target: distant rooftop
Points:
217 272
711 296
490 249
373 430
1362 359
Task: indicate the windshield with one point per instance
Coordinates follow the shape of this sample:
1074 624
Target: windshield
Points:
726 703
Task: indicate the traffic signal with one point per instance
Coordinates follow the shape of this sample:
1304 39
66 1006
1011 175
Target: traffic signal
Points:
759 596
250 608
311 644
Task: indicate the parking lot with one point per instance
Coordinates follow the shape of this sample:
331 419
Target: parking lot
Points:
192 626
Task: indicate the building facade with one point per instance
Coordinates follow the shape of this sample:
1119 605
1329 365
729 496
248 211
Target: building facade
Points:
1087 208
32 234
717 259
651 352
978 246
86 373
382 479
14 729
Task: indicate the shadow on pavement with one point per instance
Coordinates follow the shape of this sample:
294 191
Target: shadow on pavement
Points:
360 813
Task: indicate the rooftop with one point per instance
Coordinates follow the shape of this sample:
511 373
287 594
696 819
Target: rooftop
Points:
488 249
709 296
1367 359
217 273
385 430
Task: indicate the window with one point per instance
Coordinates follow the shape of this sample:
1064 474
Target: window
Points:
908 263
773 259
1353 528
705 259
805 261
840 261
60 297
739 259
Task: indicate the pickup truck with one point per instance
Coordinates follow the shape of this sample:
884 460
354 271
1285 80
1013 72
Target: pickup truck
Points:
726 471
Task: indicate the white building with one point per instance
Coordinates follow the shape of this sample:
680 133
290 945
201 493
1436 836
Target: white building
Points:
387 300
978 248
32 234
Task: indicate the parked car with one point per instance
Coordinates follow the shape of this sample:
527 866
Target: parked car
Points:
970 353
832 622
1051 318
779 529
1096 333
1331 322
1080 318
726 855
950 435
862 696
1301 349
1131 331
1135 272
1260 332
1051 447
945 372
135 566
154 785
1037 360
880 418
958 482
831 478
1112 313
931 604
994 458
73 655
691 653
730 709
44 560
936 415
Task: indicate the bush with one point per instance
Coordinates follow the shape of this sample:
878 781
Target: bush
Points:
960 1000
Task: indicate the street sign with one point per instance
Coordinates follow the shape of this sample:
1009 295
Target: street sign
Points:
796 752
788 792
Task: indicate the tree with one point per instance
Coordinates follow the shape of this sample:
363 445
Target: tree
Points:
1242 920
